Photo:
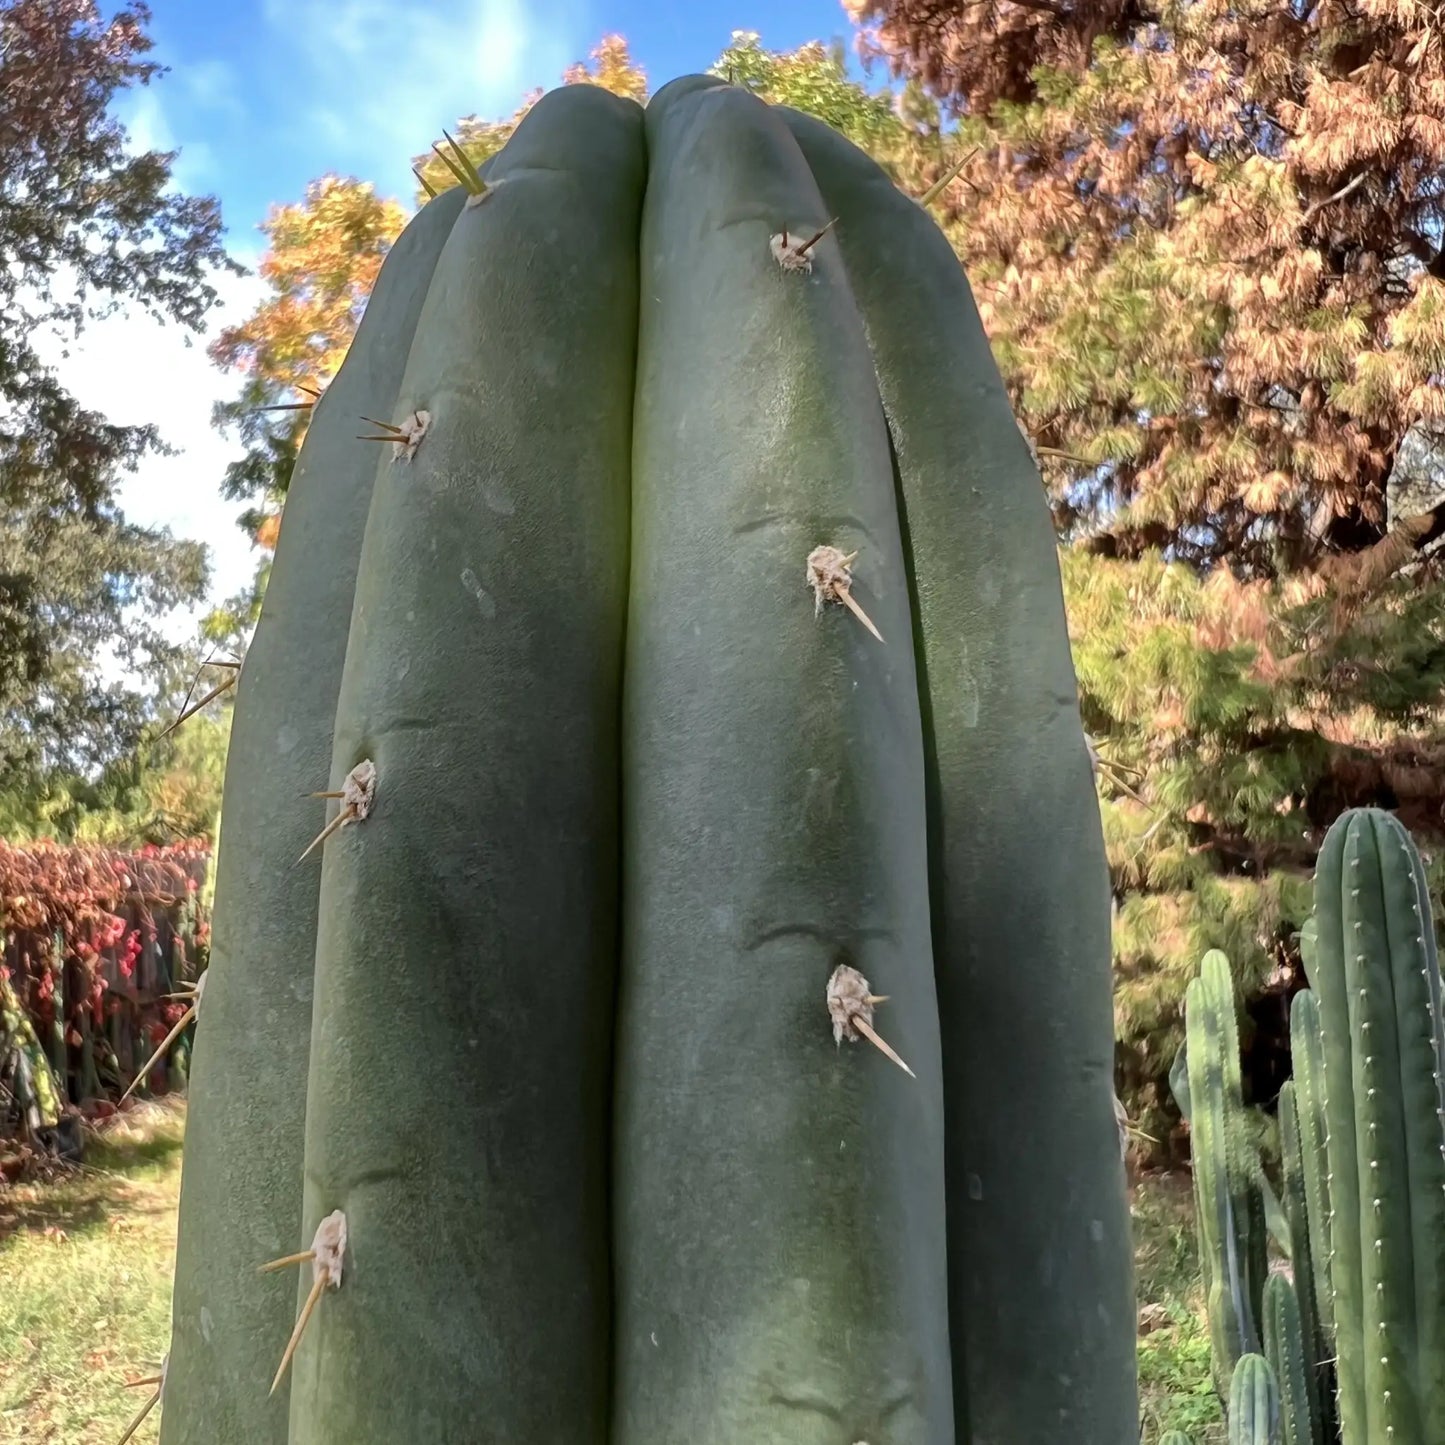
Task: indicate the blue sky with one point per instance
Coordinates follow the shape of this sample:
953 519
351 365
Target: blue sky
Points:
264 95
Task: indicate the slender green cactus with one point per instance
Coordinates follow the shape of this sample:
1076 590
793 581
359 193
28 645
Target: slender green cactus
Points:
1229 1203
1253 1403
1285 1348
1315 1348
1377 977
1308 1119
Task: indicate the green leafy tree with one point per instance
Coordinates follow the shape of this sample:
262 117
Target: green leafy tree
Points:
85 225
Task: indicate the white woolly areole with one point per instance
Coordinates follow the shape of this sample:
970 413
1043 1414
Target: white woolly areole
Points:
358 792
829 575
848 999
785 248
330 1247
412 430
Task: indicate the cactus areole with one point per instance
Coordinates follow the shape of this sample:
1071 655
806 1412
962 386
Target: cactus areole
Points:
689 1023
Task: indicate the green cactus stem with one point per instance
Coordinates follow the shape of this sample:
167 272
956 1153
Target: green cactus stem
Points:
1377 978
1229 1204
1253 1403
1294 1369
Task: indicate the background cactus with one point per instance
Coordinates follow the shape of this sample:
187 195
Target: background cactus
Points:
580 928
1229 1204
1374 969
1294 1370
1253 1403
1357 1333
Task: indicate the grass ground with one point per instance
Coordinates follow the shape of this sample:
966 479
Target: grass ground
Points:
85 1270
1175 1390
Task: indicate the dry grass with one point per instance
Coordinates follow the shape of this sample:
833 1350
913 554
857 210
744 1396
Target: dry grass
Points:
85 1270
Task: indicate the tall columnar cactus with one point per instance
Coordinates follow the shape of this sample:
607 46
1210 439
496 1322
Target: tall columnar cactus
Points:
1375 972
1307 1160
1253 1403
1294 1367
1229 1206
1316 1350
706 709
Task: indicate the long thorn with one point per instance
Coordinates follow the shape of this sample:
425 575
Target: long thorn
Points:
165 1043
308 388
286 406
426 185
877 998
317 1286
936 189
191 711
808 245
462 178
147 1380
393 440
846 597
304 1257
478 185
344 816
140 1417
866 1029
385 426
326 795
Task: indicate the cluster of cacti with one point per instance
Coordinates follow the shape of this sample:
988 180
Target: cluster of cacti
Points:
550 1093
1356 1331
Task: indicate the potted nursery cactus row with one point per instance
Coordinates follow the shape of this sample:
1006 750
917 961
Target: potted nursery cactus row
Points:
1342 1338
712 896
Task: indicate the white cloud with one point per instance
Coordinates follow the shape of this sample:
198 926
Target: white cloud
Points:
385 78
148 129
135 370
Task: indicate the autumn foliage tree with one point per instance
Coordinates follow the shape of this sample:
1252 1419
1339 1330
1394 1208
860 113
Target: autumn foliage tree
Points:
1206 240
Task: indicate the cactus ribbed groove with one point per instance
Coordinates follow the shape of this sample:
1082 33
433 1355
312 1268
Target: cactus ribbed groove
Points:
1228 1202
1253 1403
623 799
1377 979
